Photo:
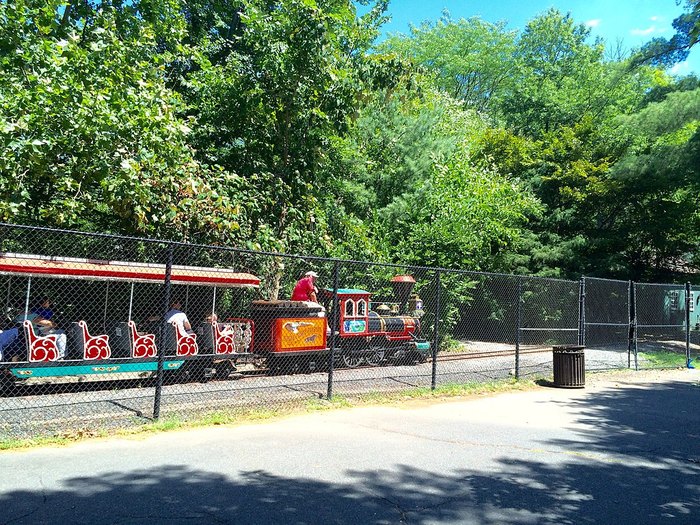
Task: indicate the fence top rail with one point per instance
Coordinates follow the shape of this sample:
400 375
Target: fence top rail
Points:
171 243
680 326
405 267
548 329
546 279
672 286
603 279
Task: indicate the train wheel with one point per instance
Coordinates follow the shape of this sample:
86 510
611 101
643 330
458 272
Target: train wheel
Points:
275 366
171 377
197 370
352 359
375 356
259 362
224 369
8 387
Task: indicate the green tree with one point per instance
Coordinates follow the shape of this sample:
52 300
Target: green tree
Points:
270 110
461 217
654 229
664 52
390 148
407 170
90 136
471 58
560 78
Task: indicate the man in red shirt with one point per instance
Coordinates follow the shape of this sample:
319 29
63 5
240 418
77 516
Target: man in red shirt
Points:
305 290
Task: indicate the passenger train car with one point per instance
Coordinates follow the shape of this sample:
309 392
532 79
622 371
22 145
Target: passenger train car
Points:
104 333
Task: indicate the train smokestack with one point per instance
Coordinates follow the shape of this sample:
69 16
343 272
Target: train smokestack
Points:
403 286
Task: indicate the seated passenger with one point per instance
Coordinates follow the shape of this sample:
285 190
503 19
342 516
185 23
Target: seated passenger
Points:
176 315
15 348
7 337
45 325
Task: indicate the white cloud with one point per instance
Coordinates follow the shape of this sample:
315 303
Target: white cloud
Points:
593 23
682 68
654 18
652 30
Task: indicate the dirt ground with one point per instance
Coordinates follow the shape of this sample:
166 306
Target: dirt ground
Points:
597 379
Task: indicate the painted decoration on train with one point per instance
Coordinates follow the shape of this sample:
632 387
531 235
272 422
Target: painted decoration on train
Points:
301 333
354 326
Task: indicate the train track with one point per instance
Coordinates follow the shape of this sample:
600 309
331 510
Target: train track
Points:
440 358
489 353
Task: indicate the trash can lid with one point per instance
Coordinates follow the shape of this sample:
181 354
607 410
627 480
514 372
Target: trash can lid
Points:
568 348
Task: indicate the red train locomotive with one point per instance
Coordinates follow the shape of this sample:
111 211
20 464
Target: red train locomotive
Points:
296 335
376 334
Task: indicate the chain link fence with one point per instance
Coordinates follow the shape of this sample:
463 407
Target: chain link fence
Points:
102 331
608 318
663 331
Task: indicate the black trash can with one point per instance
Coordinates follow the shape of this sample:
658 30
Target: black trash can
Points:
569 366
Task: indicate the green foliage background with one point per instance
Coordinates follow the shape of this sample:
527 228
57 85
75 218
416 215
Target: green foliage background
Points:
284 125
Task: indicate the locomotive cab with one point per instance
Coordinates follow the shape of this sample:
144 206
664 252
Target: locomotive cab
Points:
354 312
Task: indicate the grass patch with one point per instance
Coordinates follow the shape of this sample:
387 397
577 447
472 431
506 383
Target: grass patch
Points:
442 392
663 359
166 423
59 439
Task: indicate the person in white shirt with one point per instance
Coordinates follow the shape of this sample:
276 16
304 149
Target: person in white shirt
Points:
175 314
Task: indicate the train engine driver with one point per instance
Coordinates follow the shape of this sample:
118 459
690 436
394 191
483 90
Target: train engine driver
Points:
305 289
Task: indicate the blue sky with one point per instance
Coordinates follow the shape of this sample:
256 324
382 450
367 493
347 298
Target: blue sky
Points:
629 22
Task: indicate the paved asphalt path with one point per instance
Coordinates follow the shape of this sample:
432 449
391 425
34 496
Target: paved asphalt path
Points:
626 449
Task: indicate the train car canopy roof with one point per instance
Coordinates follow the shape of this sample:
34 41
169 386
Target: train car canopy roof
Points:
92 269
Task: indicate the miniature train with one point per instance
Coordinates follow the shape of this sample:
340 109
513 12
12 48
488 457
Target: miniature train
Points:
276 337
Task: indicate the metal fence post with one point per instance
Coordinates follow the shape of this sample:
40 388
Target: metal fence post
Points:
335 319
632 333
518 324
436 334
688 304
582 312
161 349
